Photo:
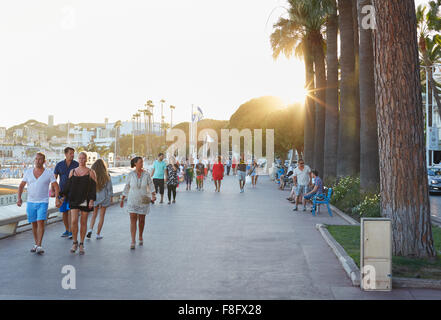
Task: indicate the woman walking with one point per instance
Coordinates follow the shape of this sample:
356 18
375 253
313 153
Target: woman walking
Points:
218 173
140 193
81 193
104 193
189 171
253 173
171 178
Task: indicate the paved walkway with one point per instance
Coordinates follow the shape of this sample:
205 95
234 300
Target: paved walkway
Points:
206 246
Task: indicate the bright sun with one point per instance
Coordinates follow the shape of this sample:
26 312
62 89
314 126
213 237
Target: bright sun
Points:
291 81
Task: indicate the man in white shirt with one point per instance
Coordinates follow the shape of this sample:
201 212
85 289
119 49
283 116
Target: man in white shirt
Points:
302 179
38 180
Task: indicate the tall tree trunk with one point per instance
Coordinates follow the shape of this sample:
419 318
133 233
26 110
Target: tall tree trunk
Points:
331 123
349 131
320 101
357 77
309 107
369 170
403 173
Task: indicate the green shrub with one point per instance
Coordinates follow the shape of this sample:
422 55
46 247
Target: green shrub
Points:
346 193
369 207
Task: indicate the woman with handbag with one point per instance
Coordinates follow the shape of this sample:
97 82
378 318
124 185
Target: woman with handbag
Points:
172 179
104 193
80 191
140 193
253 173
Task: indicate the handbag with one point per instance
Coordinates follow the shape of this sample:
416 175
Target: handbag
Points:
85 203
146 200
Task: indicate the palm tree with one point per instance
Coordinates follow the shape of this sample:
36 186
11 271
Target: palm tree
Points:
348 162
369 170
289 37
429 45
162 101
404 192
331 123
171 115
302 34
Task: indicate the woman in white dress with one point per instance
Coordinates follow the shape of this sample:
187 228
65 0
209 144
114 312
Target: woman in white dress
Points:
140 193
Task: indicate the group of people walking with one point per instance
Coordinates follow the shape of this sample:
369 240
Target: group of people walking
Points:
82 190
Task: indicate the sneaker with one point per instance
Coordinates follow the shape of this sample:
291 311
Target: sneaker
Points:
169 202
174 201
34 248
304 208
98 236
65 234
70 235
89 233
295 209
40 250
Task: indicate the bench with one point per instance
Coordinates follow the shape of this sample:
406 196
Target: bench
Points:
316 200
11 215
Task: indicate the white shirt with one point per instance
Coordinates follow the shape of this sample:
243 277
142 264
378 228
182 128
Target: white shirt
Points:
302 176
38 189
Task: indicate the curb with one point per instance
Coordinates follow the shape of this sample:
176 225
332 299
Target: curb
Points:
344 216
346 261
416 283
353 271
436 221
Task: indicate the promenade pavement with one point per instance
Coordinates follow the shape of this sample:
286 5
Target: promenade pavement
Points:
208 245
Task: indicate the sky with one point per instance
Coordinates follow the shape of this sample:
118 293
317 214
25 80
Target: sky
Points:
86 60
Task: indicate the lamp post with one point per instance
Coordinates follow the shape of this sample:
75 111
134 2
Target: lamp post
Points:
116 127
133 133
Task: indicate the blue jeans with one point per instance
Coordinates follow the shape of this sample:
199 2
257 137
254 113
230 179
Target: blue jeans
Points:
310 196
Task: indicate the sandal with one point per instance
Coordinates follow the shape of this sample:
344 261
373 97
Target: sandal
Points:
81 252
140 242
132 246
74 247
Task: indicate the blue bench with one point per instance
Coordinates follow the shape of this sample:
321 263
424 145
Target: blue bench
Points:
318 199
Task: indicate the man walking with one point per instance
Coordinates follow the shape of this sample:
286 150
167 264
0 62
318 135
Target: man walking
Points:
242 173
62 169
302 179
200 175
38 180
228 166
158 175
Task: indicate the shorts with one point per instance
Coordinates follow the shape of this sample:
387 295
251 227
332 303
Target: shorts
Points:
65 206
320 196
301 190
201 177
188 179
242 175
36 211
159 184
